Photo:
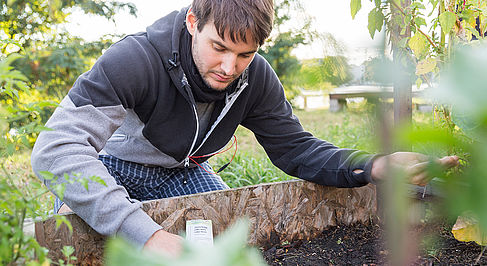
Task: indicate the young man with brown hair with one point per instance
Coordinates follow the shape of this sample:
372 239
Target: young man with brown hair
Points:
159 103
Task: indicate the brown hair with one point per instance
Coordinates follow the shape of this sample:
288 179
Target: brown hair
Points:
236 17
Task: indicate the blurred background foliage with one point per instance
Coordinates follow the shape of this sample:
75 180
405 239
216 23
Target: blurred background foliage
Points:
47 56
39 62
315 74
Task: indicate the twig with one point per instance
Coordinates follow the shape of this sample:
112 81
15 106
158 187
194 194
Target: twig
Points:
480 255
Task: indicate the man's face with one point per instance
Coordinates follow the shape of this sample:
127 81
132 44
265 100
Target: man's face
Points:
219 61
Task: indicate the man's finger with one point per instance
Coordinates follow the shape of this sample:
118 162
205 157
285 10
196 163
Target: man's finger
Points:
449 161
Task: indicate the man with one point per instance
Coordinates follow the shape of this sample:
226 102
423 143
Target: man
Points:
158 103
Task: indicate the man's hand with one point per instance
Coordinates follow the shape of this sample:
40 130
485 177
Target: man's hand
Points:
165 242
414 165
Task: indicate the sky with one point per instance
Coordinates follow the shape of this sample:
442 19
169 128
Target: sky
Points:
330 16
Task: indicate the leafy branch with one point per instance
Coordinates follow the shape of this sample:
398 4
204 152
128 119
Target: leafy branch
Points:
401 10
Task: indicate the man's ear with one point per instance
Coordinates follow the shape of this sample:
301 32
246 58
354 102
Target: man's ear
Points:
191 21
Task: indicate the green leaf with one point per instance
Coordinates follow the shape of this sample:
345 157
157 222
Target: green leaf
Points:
472 30
68 178
468 16
419 44
447 21
47 104
376 20
355 6
419 82
67 251
229 249
59 190
419 21
425 66
417 5
40 128
61 219
407 19
98 180
84 183
46 175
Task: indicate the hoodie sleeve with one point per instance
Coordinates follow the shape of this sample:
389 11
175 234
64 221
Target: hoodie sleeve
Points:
295 151
94 108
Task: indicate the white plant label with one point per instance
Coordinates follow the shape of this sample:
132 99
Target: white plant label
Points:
199 231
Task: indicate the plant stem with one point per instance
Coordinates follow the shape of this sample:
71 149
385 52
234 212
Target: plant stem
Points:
22 234
443 37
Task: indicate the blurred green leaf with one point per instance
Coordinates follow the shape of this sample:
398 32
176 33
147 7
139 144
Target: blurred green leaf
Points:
61 219
68 251
59 190
98 180
230 248
464 83
355 6
447 21
419 44
425 66
84 183
376 20
419 21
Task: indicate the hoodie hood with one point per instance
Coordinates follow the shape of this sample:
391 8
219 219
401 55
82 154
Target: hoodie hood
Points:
165 33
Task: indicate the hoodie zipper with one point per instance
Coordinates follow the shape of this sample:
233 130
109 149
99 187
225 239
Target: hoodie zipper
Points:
186 165
220 117
186 159
226 108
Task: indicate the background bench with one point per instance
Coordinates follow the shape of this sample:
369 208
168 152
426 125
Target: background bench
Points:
338 97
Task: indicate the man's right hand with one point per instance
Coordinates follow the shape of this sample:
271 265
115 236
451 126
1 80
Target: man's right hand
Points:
165 242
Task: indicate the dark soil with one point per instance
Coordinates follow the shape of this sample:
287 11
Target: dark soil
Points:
363 245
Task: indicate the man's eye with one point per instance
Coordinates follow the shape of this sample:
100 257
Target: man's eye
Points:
218 49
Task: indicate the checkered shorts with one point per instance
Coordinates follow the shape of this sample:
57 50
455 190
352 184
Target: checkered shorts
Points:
148 183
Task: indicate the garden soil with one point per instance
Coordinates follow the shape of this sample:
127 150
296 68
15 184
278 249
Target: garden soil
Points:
361 244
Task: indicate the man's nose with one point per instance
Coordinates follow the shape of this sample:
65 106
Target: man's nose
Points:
229 64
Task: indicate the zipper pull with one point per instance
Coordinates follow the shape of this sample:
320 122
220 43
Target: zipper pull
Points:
184 80
186 165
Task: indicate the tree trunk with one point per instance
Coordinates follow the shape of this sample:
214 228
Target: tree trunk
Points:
402 83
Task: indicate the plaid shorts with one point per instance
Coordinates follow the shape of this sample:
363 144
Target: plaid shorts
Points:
148 183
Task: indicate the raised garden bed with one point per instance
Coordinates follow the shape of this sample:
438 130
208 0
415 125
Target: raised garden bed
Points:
293 223
278 212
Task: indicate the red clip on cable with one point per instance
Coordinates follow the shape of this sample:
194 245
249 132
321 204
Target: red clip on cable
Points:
192 158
